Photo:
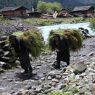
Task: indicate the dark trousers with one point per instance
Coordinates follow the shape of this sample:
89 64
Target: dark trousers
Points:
25 61
63 55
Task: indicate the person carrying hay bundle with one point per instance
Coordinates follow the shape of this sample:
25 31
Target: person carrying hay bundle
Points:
21 52
60 44
30 41
62 41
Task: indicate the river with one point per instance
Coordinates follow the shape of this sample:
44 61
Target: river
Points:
46 29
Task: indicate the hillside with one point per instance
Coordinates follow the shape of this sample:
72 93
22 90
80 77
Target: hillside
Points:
10 3
30 3
72 3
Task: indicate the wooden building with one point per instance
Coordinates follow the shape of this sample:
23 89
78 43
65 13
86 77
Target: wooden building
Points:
83 11
34 14
64 13
13 11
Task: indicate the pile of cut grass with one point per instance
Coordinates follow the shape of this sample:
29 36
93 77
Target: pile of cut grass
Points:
73 36
33 40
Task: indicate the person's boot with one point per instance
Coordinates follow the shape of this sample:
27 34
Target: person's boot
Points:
25 71
68 63
30 70
56 65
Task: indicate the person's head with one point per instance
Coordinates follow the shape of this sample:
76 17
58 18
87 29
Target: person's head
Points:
57 37
12 39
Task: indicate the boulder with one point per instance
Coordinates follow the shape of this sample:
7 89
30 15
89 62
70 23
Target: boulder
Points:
6 47
23 92
2 38
7 54
1 53
53 73
79 67
2 43
4 59
6 66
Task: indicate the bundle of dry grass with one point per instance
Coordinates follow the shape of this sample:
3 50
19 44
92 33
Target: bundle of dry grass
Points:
73 36
33 40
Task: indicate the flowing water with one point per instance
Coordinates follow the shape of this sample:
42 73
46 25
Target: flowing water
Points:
46 29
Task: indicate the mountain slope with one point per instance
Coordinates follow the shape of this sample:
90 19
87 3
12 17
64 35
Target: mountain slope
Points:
30 3
26 3
72 3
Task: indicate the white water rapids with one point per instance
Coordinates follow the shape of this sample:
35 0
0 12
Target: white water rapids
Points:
46 29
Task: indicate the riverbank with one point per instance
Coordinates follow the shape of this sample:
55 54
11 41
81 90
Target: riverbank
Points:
48 79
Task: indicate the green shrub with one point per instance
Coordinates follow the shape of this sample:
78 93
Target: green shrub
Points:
74 90
73 36
1 18
92 23
67 93
1 71
55 93
60 93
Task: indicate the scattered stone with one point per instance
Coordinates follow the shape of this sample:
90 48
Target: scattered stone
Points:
54 73
6 66
5 93
77 77
38 89
53 84
43 79
38 67
49 77
1 53
92 86
23 92
58 76
2 43
91 54
1 70
82 91
60 86
55 80
6 47
2 38
80 67
7 54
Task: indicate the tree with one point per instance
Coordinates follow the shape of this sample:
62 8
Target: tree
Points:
42 6
56 6
48 7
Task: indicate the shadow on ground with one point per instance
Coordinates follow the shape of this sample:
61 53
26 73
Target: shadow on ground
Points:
23 76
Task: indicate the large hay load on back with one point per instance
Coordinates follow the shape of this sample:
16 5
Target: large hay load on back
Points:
33 40
73 37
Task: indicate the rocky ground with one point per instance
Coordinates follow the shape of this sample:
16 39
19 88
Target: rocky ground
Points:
79 75
13 26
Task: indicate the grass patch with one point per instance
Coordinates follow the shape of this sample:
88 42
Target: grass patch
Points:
50 21
92 23
55 93
44 22
65 91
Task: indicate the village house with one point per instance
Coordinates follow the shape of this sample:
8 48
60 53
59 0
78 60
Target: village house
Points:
13 11
83 11
64 13
34 14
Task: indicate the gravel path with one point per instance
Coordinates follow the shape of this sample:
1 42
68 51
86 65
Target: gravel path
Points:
43 79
